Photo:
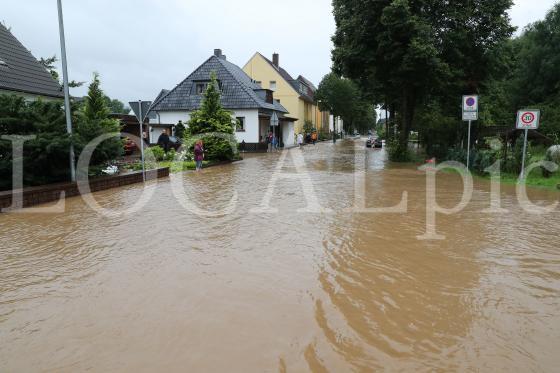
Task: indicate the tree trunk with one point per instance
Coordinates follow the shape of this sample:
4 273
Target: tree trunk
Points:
393 116
408 109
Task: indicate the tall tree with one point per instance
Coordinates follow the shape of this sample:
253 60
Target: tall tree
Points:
408 52
115 106
214 124
95 107
93 121
536 79
342 98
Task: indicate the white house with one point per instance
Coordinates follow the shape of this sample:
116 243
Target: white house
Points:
250 104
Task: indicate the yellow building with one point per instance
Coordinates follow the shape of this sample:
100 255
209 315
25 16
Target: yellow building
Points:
296 95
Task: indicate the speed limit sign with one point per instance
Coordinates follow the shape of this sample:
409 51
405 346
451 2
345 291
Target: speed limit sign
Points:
528 119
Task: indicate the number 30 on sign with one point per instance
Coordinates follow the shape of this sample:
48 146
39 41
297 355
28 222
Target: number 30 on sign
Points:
528 119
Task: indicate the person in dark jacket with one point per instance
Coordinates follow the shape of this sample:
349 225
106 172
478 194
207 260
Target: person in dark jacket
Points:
164 141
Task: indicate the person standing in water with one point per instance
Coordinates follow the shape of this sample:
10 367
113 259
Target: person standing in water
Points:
198 154
300 140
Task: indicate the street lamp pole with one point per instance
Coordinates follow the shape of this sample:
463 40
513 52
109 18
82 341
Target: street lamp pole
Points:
67 107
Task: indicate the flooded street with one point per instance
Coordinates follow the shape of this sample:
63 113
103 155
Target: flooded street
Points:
166 290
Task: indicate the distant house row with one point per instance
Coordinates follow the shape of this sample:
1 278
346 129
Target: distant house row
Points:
251 93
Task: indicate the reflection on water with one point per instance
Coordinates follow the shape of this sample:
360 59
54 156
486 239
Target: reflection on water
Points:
164 289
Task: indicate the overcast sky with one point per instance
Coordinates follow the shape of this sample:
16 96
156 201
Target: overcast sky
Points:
142 46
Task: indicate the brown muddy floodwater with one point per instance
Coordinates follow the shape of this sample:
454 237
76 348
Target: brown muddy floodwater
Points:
166 290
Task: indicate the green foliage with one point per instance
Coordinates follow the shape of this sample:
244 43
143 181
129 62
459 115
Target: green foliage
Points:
93 121
46 158
514 159
457 154
180 130
343 98
157 152
408 53
49 65
308 126
159 155
219 149
95 104
211 117
214 125
170 155
396 152
115 106
437 130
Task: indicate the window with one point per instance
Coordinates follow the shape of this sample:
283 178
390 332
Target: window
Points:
240 124
273 85
201 87
258 82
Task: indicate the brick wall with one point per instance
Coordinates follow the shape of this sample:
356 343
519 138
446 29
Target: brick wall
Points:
50 193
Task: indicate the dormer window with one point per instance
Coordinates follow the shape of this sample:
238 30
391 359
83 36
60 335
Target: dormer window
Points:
202 86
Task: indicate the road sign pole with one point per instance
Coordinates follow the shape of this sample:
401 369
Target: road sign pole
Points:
522 175
142 140
469 147
67 106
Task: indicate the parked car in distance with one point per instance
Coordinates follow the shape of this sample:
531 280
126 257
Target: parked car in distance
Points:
370 141
378 143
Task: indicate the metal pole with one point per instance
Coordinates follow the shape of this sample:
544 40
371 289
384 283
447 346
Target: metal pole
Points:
522 175
67 107
469 147
142 138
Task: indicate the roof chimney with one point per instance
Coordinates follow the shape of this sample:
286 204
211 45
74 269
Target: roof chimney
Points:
276 59
218 53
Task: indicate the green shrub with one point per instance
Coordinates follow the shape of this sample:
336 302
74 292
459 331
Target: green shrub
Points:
397 153
514 159
157 152
219 149
170 155
457 154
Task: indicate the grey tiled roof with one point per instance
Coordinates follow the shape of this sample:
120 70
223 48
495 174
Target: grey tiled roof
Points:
21 72
238 90
295 83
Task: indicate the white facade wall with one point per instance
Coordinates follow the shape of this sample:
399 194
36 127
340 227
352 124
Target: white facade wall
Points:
250 135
